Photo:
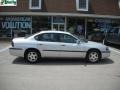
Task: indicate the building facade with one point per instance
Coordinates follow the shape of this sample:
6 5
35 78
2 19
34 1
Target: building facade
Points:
80 17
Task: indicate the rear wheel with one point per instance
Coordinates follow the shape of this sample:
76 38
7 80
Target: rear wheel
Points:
32 56
93 56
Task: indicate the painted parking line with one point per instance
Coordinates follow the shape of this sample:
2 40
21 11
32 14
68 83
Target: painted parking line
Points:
4 49
115 50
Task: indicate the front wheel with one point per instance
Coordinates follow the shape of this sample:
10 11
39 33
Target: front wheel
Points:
93 56
32 56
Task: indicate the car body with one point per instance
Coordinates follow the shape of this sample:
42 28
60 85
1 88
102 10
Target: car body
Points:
113 36
57 44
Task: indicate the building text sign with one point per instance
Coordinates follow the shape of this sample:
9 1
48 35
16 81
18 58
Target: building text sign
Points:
16 23
8 2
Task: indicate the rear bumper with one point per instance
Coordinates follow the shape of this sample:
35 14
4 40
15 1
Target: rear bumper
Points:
105 54
16 51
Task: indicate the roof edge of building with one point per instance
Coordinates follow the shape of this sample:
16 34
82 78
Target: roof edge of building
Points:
58 14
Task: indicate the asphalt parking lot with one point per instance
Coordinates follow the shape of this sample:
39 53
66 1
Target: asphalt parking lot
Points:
60 74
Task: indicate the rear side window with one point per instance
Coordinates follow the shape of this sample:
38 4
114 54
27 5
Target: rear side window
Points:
49 37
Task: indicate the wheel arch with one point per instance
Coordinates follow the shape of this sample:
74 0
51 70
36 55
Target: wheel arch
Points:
28 49
91 49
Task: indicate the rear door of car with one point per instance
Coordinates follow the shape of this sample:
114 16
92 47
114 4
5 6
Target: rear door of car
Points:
48 44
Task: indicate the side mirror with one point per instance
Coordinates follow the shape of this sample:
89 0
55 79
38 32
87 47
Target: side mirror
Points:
78 41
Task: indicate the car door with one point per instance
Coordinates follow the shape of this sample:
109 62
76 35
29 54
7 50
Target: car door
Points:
48 44
69 47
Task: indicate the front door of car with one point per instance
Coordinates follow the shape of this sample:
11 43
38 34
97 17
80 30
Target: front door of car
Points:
48 45
69 47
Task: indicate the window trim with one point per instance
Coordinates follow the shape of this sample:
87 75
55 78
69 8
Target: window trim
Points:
35 7
81 9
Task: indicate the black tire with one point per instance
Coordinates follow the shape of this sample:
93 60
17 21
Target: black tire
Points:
32 56
93 56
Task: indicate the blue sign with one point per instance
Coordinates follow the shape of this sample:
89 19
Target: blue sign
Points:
16 23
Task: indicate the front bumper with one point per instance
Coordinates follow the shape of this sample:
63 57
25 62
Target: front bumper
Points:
105 54
16 51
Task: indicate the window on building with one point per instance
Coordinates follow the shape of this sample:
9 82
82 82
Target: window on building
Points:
82 5
35 4
40 23
119 3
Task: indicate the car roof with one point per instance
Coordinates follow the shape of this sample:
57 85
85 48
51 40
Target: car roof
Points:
53 31
49 31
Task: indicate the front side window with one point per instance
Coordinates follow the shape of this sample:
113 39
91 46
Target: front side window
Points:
67 38
82 5
35 4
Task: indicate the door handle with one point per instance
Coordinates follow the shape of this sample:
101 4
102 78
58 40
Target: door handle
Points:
40 44
62 45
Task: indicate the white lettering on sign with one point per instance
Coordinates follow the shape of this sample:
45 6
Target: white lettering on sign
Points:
13 25
18 19
8 2
17 23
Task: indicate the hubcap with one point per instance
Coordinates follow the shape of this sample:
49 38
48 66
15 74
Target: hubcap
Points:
32 56
93 56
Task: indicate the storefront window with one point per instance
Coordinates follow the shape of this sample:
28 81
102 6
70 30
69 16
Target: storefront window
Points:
41 23
59 23
58 19
15 26
76 26
97 28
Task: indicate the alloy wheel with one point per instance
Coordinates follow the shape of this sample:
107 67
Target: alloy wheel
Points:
93 56
32 56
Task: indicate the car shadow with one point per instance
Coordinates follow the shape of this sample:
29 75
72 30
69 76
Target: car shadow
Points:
57 61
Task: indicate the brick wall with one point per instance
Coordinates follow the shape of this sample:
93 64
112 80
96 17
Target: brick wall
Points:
107 7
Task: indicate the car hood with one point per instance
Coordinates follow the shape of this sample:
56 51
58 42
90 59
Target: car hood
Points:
93 44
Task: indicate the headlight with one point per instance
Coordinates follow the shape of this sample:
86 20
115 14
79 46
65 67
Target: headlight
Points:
12 44
107 49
